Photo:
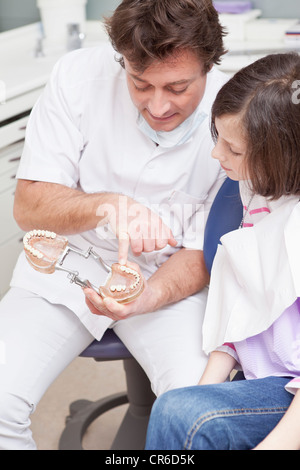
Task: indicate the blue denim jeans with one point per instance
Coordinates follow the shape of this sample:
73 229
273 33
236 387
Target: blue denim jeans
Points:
229 416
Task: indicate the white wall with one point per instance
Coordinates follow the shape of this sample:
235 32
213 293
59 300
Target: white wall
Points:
15 13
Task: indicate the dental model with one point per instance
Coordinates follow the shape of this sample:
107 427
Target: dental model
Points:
46 252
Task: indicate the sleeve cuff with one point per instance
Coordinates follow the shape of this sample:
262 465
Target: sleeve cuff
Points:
293 385
229 349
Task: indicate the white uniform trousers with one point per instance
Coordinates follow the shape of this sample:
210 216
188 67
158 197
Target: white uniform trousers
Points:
38 340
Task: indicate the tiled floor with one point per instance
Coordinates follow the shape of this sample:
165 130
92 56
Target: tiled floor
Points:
84 378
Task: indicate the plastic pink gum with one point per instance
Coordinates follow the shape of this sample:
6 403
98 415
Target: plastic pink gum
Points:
43 250
124 284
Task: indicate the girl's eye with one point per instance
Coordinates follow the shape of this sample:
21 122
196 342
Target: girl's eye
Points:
234 153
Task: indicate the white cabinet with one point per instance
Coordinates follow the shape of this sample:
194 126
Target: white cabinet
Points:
22 77
12 134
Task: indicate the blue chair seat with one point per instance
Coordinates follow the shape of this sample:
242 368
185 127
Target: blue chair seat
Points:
110 348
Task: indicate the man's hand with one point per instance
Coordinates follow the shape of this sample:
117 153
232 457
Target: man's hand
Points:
117 311
182 275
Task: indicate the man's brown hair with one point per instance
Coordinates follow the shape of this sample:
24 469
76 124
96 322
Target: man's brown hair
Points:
264 96
145 31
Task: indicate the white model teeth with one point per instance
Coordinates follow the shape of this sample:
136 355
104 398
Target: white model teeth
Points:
137 280
36 233
128 270
119 288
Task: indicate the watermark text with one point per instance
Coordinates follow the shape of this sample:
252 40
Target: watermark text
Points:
296 93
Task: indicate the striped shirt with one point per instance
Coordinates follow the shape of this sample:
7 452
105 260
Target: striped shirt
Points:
276 351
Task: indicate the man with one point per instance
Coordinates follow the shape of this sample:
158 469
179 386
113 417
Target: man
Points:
118 157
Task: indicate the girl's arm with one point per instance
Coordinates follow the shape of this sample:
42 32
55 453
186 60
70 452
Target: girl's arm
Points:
286 435
218 368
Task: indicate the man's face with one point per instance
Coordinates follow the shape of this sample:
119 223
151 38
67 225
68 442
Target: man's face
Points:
167 92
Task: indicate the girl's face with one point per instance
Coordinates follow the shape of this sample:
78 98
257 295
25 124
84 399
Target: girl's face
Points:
231 146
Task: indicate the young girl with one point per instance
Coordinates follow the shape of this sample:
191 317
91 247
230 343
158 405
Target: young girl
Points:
252 320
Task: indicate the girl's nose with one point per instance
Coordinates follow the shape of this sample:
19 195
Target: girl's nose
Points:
218 152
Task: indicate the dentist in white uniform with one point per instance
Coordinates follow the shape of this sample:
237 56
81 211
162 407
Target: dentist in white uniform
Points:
103 142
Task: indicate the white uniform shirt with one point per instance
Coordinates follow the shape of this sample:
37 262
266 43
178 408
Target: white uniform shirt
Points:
83 134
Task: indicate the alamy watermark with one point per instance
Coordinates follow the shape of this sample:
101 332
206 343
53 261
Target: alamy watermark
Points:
150 220
296 93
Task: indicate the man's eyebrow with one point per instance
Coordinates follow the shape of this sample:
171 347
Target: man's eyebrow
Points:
136 77
178 82
181 82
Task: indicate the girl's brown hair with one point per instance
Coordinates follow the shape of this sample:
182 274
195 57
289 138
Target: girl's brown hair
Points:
148 30
265 97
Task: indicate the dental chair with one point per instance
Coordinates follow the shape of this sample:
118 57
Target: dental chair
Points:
225 215
131 434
